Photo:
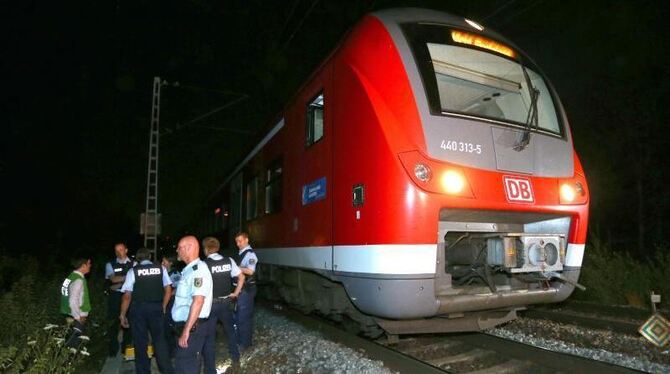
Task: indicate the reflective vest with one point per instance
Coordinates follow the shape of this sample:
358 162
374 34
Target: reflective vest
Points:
65 294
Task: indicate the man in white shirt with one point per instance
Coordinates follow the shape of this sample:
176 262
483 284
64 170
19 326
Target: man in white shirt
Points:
192 304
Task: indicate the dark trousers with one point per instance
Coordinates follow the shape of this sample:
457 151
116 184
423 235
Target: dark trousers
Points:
244 316
168 324
187 360
77 329
221 311
113 311
148 318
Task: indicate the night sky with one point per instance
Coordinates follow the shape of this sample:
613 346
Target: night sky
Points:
78 97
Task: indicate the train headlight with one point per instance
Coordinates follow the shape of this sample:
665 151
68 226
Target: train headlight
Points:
568 193
436 176
453 181
572 192
422 172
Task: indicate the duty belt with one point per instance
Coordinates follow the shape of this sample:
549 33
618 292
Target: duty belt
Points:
179 326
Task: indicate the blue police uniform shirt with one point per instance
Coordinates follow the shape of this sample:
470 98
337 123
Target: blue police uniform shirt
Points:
196 280
250 260
175 276
234 269
130 278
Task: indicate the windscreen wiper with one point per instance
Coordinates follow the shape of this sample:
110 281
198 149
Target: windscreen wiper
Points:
531 117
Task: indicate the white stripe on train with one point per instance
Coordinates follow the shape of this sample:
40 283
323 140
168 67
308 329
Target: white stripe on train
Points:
403 259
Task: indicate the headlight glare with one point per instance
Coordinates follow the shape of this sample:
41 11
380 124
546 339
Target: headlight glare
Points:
568 193
453 181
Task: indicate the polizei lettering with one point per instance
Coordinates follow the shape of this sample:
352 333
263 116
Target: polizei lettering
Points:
220 268
154 271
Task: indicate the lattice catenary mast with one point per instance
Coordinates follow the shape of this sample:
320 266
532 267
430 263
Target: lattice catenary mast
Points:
150 219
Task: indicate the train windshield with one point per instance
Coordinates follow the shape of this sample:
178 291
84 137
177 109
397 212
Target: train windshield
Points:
479 78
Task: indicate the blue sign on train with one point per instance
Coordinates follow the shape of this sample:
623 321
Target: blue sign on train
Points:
314 191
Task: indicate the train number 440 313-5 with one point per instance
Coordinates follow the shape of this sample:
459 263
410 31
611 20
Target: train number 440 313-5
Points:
452 145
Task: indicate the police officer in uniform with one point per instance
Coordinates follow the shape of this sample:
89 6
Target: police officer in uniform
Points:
168 263
245 303
74 300
149 287
115 273
192 304
223 270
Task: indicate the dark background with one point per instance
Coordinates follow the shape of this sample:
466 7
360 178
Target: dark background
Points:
77 83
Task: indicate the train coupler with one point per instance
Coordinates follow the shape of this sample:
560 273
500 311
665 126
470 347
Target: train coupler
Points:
553 274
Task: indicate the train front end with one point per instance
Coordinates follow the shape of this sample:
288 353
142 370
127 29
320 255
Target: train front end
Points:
496 183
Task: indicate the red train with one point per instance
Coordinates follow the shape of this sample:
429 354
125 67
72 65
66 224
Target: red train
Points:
423 179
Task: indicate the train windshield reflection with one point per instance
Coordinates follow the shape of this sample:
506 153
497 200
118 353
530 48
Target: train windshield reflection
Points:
483 84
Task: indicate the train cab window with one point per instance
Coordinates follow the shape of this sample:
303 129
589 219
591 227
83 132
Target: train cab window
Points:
273 187
252 198
315 120
470 74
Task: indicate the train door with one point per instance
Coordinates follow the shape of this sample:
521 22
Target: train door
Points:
313 109
235 212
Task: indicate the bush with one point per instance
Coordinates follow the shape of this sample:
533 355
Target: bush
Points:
43 352
615 277
32 330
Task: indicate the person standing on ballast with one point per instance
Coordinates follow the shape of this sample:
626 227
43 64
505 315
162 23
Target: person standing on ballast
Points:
115 273
223 270
244 313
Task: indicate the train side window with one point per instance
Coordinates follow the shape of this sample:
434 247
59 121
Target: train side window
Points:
315 120
273 187
252 198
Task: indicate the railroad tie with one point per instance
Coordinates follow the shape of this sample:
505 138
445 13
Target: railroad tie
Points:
511 366
413 351
462 357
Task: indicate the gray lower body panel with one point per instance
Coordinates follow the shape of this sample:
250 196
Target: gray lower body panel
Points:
416 298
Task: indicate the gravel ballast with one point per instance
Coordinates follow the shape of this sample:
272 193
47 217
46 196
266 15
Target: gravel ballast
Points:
621 349
283 346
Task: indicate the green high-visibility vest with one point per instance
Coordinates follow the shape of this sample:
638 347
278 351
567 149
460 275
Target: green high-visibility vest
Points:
65 294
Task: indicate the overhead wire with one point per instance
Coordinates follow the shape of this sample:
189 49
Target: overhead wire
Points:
288 18
314 2
498 10
510 17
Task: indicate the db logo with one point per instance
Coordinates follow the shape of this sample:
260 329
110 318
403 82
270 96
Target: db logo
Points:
518 190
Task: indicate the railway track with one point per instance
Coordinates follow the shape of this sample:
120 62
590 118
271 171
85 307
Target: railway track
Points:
482 354
626 320
579 319
454 353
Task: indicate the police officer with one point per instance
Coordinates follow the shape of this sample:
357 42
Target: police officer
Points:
245 303
168 263
74 300
223 270
149 287
115 273
192 304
